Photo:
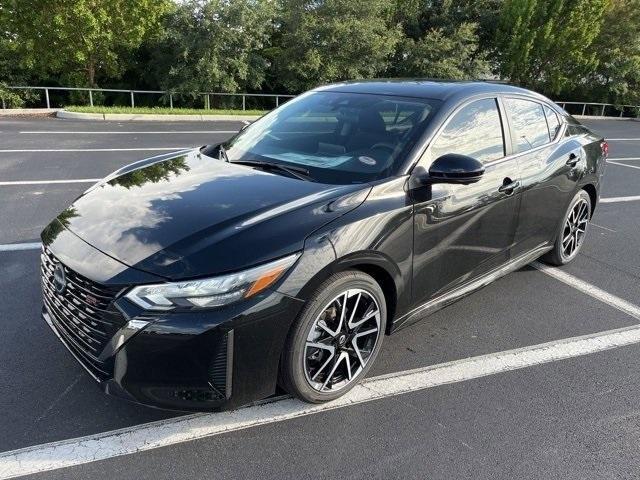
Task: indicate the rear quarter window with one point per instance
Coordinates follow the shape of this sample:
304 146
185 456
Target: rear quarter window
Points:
552 121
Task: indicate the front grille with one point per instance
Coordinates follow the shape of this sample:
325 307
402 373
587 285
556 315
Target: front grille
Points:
83 314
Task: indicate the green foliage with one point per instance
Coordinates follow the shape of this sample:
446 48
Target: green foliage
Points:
577 49
546 44
617 77
418 17
213 45
438 54
9 98
161 111
325 41
441 38
80 39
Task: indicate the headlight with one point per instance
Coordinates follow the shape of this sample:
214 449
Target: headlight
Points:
211 292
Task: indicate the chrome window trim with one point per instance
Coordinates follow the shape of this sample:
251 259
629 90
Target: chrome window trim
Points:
560 123
426 143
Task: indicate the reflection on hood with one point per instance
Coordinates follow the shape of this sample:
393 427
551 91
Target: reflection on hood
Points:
164 216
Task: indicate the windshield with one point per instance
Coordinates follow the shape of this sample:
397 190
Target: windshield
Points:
338 138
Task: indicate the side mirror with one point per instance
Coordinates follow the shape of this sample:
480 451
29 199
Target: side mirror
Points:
454 168
211 150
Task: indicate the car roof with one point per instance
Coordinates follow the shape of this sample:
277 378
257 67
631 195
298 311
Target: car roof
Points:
425 88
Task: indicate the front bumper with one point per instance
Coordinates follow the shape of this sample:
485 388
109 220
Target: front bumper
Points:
205 361
194 360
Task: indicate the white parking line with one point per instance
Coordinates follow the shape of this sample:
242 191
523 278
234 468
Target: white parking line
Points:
623 165
160 149
620 199
139 132
15 247
588 289
46 182
77 451
622 139
622 158
603 228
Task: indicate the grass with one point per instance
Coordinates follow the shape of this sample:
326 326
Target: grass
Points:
161 110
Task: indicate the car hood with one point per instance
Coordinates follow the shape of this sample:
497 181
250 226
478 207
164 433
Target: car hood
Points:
187 215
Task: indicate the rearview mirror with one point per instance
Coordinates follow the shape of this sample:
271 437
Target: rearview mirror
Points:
454 168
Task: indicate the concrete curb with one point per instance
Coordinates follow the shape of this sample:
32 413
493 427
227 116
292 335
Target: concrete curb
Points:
128 117
27 111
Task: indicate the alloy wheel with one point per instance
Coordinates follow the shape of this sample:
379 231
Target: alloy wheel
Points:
341 340
575 228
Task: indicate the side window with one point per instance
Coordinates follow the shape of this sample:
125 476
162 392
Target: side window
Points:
476 131
552 121
528 122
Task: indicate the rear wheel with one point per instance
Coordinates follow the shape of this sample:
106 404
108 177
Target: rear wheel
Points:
572 232
335 339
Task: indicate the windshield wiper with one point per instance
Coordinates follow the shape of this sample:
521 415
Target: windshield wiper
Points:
297 172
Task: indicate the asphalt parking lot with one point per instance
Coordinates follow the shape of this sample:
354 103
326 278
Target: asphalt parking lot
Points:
574 415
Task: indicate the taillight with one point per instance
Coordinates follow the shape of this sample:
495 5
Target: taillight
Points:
604 146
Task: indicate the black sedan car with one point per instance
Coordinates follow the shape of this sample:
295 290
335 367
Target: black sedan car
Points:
205 278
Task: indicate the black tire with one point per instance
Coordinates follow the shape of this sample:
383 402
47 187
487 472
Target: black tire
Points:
560 254
294 366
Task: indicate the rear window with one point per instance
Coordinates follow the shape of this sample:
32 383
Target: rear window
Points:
529 123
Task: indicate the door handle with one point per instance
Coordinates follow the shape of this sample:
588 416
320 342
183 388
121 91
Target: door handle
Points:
573 160
508 187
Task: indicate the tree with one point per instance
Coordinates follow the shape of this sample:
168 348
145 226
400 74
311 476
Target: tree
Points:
81 39
617 48
321 41
438 54
545 44
441 38
10 72
418 17
213 45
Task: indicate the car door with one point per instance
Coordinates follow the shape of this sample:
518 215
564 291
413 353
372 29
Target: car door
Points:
549 166
464 231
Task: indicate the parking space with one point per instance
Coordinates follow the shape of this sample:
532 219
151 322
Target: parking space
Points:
571 419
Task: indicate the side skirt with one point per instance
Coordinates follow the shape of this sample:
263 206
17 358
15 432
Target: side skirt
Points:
448 298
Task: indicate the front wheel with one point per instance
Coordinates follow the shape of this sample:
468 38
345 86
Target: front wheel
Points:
335 339
572 232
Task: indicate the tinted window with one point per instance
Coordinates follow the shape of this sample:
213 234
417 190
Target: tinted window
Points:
476 131
338 137
528 122
552 121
